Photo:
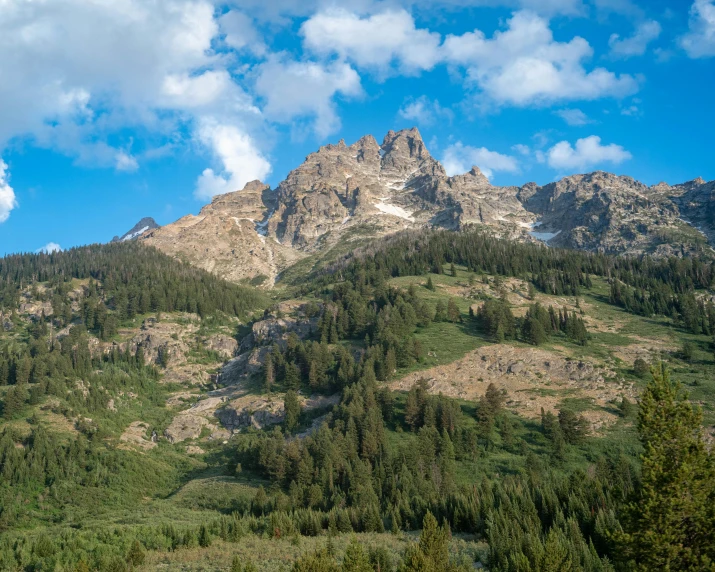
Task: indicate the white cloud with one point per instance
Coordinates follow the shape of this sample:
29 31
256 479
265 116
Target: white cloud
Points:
294 89
126 162
699 42
278 11
77 75
378 41
240 160
574 117
587 152
425 111
521 149
241 33
523 65
49 248
7 194
459 158
637 44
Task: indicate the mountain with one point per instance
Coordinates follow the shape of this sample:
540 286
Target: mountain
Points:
342 194
145 224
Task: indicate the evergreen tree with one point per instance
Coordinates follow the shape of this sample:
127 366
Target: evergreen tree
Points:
356 559
292 410
136 555
204 537
453 314
669 523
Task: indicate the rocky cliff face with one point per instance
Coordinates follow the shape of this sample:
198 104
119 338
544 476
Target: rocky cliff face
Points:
255 233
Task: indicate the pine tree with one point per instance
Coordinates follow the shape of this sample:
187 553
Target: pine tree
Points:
531 291
292 410
430 284
440 313
136 555
204 537
453 314
356 559
669 523
574 427
292 376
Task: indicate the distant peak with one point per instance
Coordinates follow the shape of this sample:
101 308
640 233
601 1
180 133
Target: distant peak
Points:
409 138
365 141
413 133
145 224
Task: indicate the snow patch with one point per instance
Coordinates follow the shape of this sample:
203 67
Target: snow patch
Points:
262 227
394 210
382 153
135 234
544 236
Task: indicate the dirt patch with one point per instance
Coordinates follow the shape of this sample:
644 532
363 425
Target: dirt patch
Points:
533 378
136 436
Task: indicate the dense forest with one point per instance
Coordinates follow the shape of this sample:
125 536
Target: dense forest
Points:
642 285
541 494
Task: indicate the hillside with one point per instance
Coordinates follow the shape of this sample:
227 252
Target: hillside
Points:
433 372
344 195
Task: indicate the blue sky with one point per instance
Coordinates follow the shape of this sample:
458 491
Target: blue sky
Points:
112 111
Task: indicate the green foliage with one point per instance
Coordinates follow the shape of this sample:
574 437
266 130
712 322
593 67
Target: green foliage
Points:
126 279
136 555
641 368
669 523
292 410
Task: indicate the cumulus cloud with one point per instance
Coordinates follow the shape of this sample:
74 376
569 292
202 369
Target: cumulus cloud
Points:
240 161
49 248
7 194
77 75
523 65
281 10
636 44
522 149
425 111
459 158
306 90
586 153
378 41
699 42
241 33
574 117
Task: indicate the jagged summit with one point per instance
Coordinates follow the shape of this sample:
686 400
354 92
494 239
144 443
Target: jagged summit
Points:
350 192
144 225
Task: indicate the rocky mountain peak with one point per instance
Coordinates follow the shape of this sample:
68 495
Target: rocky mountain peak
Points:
250 202
352 192
405 143
144 225
477 177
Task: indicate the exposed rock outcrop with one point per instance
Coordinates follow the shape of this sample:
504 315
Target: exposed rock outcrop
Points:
371 190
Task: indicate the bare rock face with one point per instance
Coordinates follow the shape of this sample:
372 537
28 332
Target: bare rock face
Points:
138 435
609 213
257 412
228 237
372 189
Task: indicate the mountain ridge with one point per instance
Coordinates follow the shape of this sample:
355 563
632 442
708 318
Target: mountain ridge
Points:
348 192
